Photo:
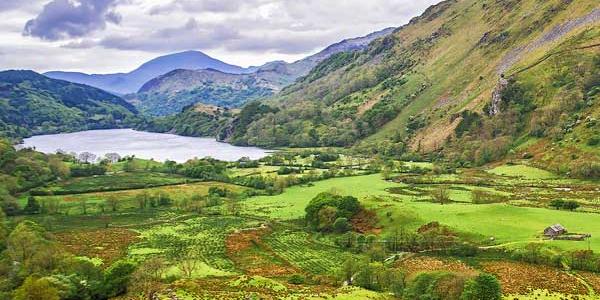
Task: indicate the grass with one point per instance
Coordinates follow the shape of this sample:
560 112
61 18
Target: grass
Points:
296 248
119 181
522 171
71 204
290 205
506 223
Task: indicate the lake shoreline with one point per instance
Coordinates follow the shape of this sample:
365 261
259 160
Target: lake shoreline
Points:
128 141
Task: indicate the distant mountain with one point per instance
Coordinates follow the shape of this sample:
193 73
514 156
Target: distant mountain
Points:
126 83
31 103
169 93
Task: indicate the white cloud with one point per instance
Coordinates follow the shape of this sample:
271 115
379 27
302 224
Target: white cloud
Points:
243 32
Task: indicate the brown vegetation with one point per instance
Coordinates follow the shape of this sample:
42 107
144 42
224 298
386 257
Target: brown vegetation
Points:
521 278
107 244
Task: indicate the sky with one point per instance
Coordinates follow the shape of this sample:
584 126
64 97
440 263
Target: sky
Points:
108 36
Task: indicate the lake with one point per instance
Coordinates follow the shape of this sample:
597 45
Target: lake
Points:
157 146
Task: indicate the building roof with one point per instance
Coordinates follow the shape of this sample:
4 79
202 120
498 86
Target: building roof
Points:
557 228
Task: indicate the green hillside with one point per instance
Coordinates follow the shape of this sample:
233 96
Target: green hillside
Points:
170 93
430 86
31 103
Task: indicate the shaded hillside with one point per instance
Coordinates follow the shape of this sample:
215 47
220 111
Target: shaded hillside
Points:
125 83
410 90
170 93
198 120
31 103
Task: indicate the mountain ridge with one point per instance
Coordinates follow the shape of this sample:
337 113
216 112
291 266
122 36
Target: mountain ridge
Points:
263 81
125 83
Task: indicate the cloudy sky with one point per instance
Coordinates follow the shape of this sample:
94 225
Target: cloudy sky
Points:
106 36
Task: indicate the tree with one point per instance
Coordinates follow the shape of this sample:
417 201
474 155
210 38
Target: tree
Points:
83 205
32 207
3 230
482 287
189 262
33 248
58 167
87 157
36 289
441 195
142 199
571 205
317 218
112 157
146 276
113 203
557 203
327 216
341 225
117 277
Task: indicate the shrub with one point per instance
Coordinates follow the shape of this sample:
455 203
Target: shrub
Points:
593 141
296 279
326 207
482 287
341 225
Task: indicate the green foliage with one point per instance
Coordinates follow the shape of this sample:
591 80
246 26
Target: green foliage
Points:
435 286
482 287
341 225
34 104
36 289
190 122
296 279
116 278
325 208
32 207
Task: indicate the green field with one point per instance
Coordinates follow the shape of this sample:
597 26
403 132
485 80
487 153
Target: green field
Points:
291 204
506 223
113 182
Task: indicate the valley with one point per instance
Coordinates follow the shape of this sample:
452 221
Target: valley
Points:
454 157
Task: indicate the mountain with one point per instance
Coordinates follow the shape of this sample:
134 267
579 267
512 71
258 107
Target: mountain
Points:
169 93
469 80
126 83
31 103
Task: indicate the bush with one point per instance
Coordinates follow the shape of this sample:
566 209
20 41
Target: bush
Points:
116 278
435 285
341 225
327 207
482 287
296 279
593 141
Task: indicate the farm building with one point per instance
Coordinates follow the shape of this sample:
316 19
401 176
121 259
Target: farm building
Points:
555 230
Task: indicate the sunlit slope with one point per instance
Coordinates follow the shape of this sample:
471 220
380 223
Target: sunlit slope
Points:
409 89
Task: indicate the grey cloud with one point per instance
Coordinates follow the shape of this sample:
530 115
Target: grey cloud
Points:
61 19
198 6
192 35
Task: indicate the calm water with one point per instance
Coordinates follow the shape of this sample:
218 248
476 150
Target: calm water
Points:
146 145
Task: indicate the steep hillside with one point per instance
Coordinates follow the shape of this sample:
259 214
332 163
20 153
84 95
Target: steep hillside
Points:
125 83
31 103
409 91
289 72
170 93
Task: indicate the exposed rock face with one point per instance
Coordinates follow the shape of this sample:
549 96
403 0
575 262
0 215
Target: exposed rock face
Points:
497 96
